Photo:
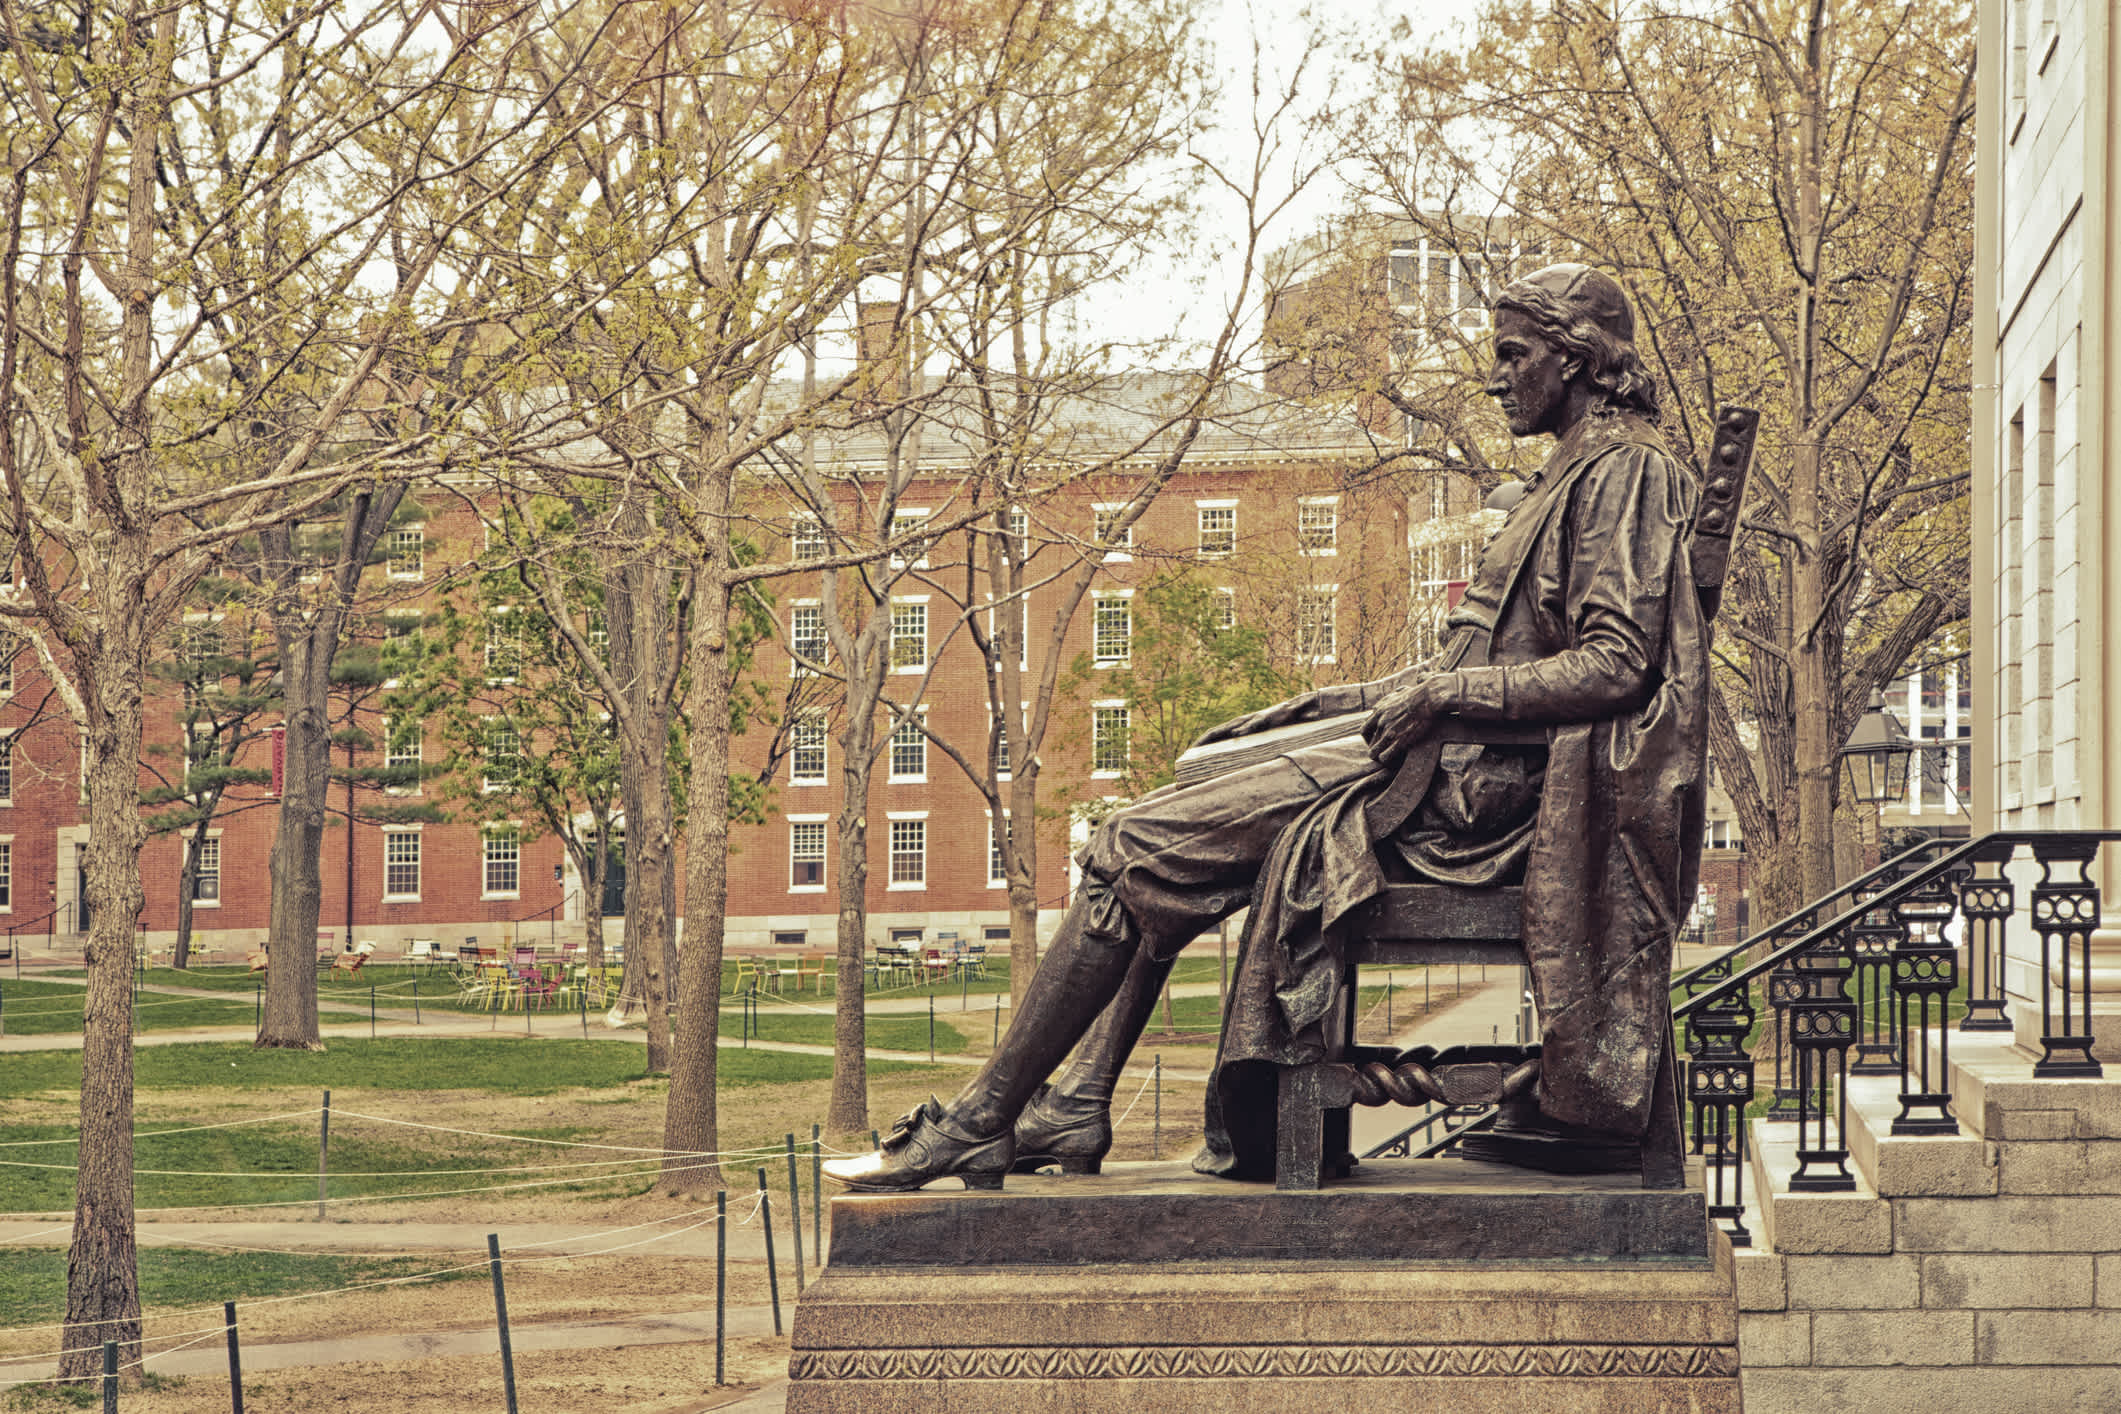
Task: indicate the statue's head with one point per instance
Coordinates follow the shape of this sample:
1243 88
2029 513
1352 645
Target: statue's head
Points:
1565 344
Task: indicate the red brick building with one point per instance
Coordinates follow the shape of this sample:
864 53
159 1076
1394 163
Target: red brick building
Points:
1286 514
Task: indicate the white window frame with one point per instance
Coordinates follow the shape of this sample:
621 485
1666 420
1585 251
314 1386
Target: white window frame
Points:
909 601
7 765
806 529
1106 773
994 629
1229 598
891 851
512 833
12 646
7 874
392 757
998 878
396 553
907 725
1308 503
824 852
397 832
1099 598
1312 594
1122 551
803 721
1200 529
213 837
908 520
502 621
796 668
490 784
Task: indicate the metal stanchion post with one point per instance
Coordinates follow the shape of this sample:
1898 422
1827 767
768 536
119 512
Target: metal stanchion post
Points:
500 1311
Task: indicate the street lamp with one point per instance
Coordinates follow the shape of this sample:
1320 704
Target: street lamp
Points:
1876 758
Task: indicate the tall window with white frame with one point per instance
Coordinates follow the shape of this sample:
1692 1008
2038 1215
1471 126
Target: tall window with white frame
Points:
504 646
807 644
7 875
502 872
401 864
806 854
909 635
7 768
1106 530
1110 723
999 831
806 537
909 854
1112 630
504 756
206 879
806 750
401 755
1316 610
909 749
905 522
1218 529
1318 525
408 552
10 646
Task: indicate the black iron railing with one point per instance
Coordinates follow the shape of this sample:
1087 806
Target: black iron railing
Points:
1867 991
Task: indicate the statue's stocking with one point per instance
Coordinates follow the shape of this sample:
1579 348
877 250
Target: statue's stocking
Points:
1089 1080
1077 977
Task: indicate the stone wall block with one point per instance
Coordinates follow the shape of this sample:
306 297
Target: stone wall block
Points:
1831 1222
2033 1124
1854 1283
1981 1389
1774 1338
2032 1281
1892 1338
2008 1223
2071 1166
2107 1286
1761 1283
2047 1337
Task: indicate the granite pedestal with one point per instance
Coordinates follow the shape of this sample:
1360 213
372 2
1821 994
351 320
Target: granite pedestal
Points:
1436 1284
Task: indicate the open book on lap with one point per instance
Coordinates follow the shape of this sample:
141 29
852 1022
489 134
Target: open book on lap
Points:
1217 758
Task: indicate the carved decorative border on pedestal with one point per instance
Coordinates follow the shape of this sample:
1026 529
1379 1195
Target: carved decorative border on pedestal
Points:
1179 1362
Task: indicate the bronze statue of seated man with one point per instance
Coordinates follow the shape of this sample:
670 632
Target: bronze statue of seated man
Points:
1557 742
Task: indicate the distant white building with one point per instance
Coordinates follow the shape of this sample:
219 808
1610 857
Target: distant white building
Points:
2046 651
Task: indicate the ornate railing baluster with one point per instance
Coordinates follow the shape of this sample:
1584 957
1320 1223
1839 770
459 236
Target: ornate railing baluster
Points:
1986 901
1925 969
1784 990
1870 948
1720 1086
2065 912
1822 1027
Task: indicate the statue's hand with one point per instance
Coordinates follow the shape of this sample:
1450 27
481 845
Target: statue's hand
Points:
1401 719
1301 708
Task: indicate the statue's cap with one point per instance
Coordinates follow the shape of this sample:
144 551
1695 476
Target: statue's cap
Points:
1585 293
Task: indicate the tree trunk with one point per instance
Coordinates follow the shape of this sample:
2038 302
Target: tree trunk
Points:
187 884
847 1112
102 1268
651 892
689 1122
288 1019
1023 883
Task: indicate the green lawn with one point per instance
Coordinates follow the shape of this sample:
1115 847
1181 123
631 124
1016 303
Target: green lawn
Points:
33 1008
246 1163
35 1289
884 1033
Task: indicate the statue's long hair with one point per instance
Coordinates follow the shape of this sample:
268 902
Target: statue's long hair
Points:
1616 370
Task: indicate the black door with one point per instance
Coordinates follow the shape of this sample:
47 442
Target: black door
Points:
615 877
81 887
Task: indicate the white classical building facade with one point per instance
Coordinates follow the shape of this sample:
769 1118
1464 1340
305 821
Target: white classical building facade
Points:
2046 650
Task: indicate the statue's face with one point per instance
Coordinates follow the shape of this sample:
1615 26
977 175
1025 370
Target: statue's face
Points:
1531 376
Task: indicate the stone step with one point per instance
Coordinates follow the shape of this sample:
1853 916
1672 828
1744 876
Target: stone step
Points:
1996 1095
1854 1222
1905 1165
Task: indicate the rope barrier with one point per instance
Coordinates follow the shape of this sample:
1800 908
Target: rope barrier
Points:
184 1129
